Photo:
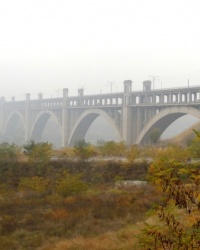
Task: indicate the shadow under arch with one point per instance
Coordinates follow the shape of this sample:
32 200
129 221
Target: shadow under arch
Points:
14 131
85 120
163 119
39 125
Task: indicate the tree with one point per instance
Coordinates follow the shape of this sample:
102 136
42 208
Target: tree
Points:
194 147
39 154
173 152
8 153
132 153
83 150
112 148
178 224
154 135
70 185
9 157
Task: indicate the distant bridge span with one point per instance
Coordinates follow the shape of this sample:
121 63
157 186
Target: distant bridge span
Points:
131 114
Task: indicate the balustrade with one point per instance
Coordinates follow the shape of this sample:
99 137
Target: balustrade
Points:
153 97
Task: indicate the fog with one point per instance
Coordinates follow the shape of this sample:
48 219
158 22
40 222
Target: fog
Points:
49 45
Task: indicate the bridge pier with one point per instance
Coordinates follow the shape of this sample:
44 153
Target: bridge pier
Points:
126 113
65 126
27 119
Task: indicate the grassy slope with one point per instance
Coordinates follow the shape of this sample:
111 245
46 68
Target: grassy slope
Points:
185 136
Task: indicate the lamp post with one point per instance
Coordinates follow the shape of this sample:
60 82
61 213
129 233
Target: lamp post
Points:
153 80
111 85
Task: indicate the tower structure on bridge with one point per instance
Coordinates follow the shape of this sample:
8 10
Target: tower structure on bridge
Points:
147 85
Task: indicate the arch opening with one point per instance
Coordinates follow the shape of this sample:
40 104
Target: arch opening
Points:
93 126
100 129
47 129
14 131
166 119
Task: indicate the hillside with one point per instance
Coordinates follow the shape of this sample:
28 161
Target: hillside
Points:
185 136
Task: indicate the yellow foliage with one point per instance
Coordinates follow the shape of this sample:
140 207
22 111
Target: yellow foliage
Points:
70 184
35 183
132 153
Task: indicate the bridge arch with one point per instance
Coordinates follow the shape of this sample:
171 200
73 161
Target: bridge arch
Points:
84 122
40 122
14 130
163 119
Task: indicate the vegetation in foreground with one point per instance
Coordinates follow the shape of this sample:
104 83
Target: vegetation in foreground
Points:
68 199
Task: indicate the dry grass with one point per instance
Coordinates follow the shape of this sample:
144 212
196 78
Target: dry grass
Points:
185 136
93 220
125 239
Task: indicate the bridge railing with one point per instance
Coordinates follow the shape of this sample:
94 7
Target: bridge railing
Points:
96 100
152 97
168 96
19 105
47 103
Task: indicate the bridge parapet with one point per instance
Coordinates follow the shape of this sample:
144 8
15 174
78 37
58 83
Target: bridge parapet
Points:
96 100
47 103
165 97
17 105
145 97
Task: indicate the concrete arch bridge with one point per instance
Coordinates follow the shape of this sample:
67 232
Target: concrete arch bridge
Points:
131 114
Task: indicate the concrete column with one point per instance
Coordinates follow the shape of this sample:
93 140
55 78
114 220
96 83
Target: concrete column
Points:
126 124
161 98
154 98
186 97
176 97
170 97
132 126
148 114
65 126
195 96
80 92
138 122
116 117
80 95
189 96
180 97
126 113
40 96
27 119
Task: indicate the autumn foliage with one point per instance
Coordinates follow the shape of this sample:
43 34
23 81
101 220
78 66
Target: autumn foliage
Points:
69 199
178 217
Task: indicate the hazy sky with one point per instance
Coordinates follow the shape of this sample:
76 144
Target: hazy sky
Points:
48 45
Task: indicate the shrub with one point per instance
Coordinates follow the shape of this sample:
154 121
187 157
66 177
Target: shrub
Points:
83 150
178 226
70 185
35 183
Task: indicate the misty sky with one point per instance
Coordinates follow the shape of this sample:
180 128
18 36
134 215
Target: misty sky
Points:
48 45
